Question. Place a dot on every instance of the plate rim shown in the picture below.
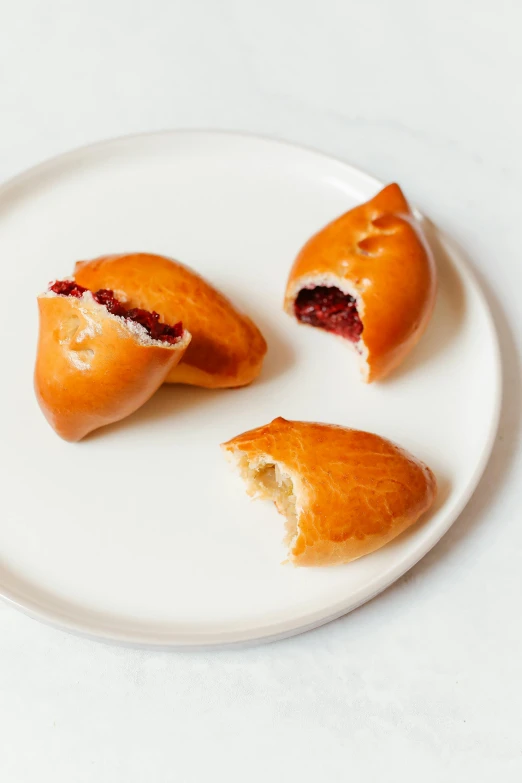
(172, 640)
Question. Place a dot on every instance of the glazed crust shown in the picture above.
(91, 369)
(227, 348)
(354, 491)
(376, 253)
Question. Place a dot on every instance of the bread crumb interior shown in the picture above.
(269, 480)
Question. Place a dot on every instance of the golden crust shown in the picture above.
(91, 368)
(375, 252)
(227, 348)
(354, 491)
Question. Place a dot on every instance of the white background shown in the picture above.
(425, 681)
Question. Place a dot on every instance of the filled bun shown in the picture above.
(344, 493)
(94, 367)
(369, 277)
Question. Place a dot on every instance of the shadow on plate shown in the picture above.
(170, 400)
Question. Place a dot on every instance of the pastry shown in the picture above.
(98, 361)
(227, 349)
(369, 277)
(344, 493)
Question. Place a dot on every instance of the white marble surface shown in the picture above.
(425, 681)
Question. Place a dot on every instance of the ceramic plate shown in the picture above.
(141, 533)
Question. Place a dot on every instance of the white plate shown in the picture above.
(141, 534)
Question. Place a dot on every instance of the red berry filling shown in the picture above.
(330, 309)
(149, 320)
(68, 288)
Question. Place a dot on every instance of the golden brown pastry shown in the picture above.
(227, 348)
(370, 277)
(97, 362)
(344, 493)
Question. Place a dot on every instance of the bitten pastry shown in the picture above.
(370, 277)
(98, 361)
(344, 493)
(227, 348)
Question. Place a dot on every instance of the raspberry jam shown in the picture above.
(330, 309)
(149, 320)
(68, 288)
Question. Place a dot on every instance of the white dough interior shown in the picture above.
(271, 481)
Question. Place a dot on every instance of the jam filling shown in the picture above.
(330, 309)
(149, 320)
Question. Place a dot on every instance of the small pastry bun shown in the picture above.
(94, 368)
(344, 493)
(376, 255)
(227, 348)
